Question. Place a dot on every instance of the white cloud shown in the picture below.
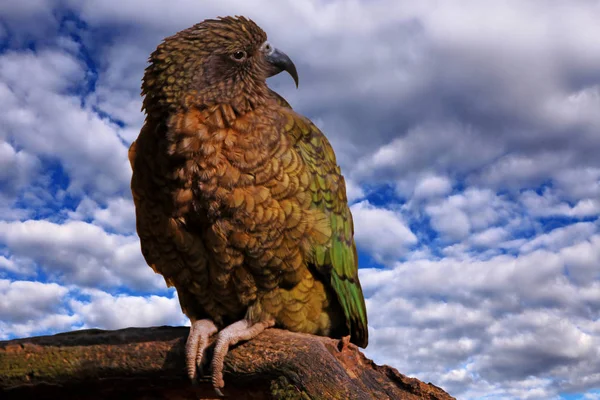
(27, 20)
(517, 170)
(25, 300)
(490, 237)
(119, 214)
(500, 320)
(561, 237)
(549, 204)
(381, 232)
(432, 186)
(28, 307)
(353, 191)
(46, 323)
(442, 145)
(17, 169)
(81, 253)
(44, 120)
(451, 222)
(32, 307)
(473, 211)
(582, 260)
(534, 342)
(105, 311)
(579, 183)
(7, 264)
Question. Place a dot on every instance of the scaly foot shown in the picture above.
(234, 333)
(197, 341)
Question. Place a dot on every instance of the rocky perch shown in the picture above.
(148, 363)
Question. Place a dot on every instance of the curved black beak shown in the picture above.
(279, 61)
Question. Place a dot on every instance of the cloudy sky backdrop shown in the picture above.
(469, 133)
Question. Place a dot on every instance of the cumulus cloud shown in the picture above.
(102, 310)
(561, 237)
(43, 119)
(491, 237)
(353, 191)
(576, 184)
(80, 253)
(27, 21)
(474, 210)
(23, 300)
(533, 343)
(29, 307)
(432, 186)
(17, 169)
(118, 215)
(501, 321)
(468, 134)
(8, 264)
(549, 204)
(381, 232)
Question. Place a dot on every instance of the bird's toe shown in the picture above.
(198, 340)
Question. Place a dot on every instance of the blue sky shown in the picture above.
(468, 132)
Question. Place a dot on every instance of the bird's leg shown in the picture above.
(197, 341)
(234, 333)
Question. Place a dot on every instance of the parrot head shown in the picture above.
(216, 61)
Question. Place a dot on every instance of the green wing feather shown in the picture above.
(336, 260)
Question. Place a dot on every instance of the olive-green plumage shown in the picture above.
(240, 203)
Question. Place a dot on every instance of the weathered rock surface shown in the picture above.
(148, 363)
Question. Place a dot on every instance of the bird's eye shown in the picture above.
(239, 55)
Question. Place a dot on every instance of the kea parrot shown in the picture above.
(240, 203)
